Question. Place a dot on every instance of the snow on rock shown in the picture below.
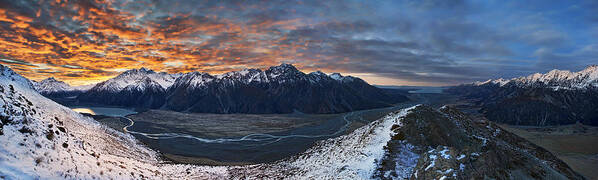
(405, 162)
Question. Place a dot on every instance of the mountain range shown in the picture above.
(278, 89)
(40, 139)
(555, 98)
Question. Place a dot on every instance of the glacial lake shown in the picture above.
(106, 111)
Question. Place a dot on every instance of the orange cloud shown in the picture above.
(87, 42)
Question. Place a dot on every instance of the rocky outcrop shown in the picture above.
(452, 145)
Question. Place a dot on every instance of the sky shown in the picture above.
(399, 42)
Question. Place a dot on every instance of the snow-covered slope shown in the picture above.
(555, 79)
(353, 156)
(9, 75)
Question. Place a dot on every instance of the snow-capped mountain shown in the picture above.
(40, 139)
(53, 88)
(555, 98)
(137, 87)
(555, 79)
(278, 89)
(52, 85)
(134, 77)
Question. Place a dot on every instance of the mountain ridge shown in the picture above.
(555, 79)
(278, 89)
(554, 98)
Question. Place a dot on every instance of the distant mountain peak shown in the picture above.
(319, 73)
(555, 79)
(284, 67)
(339, 77)
(53, 80)
(141, 70)
(135, 77)
(53, 87)
(50, 79)
(336, 76)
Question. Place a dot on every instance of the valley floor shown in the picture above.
(577, 145)
(189, 137)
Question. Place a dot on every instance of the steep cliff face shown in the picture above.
(555, 98)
